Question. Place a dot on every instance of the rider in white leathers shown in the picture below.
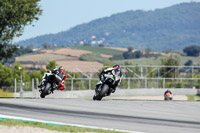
(115, 72)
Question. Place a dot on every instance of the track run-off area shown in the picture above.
(129, 115)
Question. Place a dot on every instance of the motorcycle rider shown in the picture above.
(115, 72)
(168, 91)
(60, 77)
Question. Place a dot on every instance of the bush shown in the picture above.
(131, 55)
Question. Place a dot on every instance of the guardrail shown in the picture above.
(134, 77)
(127, 83)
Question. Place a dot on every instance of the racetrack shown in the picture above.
(142, 116)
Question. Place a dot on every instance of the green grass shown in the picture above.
(193, 98)
(93, 57)
(5, 94)
(61, 128)
(156, 61)
(99, 50)
(142, 61)
(195, 60)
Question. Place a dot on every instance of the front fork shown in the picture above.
(98, 88)
(55, 86)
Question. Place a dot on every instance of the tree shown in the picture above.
(137, 54)
(42, 71)
(131, 55)
(35, 75)
(14, 16)
(130, 49)
(129, 70)
(22, 50)
(192, 50)
(168, 71)
(51, 65)
(127, 55)
(47, 46)
(189, 63)
(6, 51)
(6, 78)
(19, 71)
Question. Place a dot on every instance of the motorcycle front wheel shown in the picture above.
(46, 90)
(103, 92)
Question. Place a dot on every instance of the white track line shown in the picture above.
(60, 123)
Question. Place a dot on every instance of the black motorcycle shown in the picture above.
(49, 86)
(105, 88)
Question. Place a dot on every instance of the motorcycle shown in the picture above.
(168, 96)
(49, 85)
(105, 88)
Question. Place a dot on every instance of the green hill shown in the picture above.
(173, 27)
(99, 50)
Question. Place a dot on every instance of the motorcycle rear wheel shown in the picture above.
(103, 92)
(46, 90)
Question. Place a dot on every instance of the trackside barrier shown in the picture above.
(134, 77)
(119, 92)
(128, 86)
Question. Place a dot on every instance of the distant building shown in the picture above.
(81, 42)
(93, 37)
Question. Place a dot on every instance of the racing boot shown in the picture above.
(40, 85)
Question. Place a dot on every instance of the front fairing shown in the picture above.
(109, 81)
(52, 80)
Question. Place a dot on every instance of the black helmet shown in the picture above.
(116, 66)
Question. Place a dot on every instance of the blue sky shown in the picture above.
(61, 15)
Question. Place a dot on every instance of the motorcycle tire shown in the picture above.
(46, 90)
(94, 97)
(103, 92)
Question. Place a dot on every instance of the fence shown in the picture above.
(140, 71)
(133, 77)
(140, 77)
(127, 83)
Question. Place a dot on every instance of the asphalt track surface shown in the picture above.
(141, 116)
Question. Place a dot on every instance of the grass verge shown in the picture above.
(193, 98)
(5, 94)
(61, 128)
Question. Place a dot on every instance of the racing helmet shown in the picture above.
(116, 66)
(61, 68)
